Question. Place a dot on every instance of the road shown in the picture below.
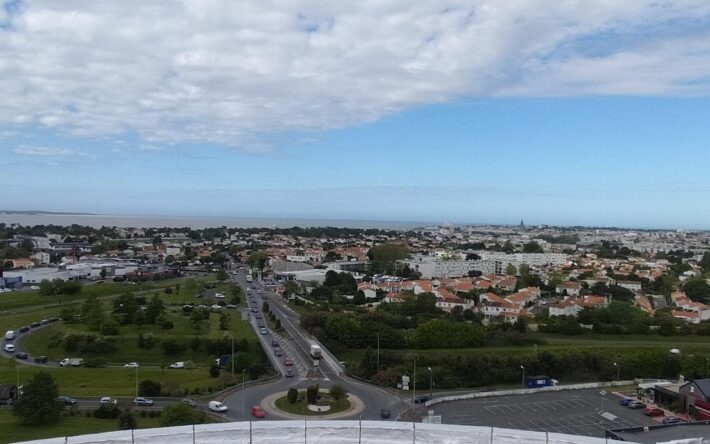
(295, 343)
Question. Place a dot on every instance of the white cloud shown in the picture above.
(42, 151)
(228, 72)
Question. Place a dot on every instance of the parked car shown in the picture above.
(142, 402)
(21, 355)
(278, 352)
(131, 365)
(217, 406)
(107, 400)
(288, 361)
(290, 373)
(384, 414)
(66, 400)
(635, 404)
(189, 402)
(672, 420)
(653, 411)
(625, 401)
(274, 343)
(41, 359)
(230, 307)
(258, 412)
(263, 331)
(178, 365)
(258, 315)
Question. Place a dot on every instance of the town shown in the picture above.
(401, 310)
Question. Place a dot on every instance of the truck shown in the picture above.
(316, 351)
(539, 381)
(71, 362)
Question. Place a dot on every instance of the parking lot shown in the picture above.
(577, 412)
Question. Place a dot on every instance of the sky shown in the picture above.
(588, 112)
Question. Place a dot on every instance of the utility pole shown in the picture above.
(618, 368)
(707, 364)
(232, 336)
(136, 382)
(523, 377)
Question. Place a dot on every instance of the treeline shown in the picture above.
(59, 287)
(487, 369)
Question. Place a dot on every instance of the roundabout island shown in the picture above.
(299, 404)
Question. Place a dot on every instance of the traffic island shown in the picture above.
(325, 407)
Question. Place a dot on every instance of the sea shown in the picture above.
(197, 222)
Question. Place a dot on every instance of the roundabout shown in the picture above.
(278, 404)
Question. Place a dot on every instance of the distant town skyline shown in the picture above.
(469, 112)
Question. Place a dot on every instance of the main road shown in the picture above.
(295, 344)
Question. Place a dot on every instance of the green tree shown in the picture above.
(154, 309)
(92, 312)
(532, 247)
(177, 414)
(697, 289)
(38, 405)
(257, 259)
(127, 420)
(221, 275)
(150, 388)
(510, 270)
(291, 288)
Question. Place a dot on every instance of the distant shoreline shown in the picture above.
(50, 213)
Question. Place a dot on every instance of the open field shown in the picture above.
(12, 430)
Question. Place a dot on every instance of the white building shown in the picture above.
(431, 267)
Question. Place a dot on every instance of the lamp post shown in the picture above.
(378, 351)
(707, 364)
(522, 367)
(414, 381)
(431, 383)
(231, 336)
(244, 394)
(136, 382)
(618, 369)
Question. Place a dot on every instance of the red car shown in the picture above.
(288, 361)
(654, 411)
(258, 412)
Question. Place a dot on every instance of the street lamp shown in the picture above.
(431, 383)
(707, 364)
(244, 375)
(136, 382)
(522, 367)
(414, 381)
(618, 369)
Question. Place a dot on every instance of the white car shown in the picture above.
(131, 365)
(34, 287)
(9, 348)
(217, 406)
(107, 400)
(178, 365)
(216, 307)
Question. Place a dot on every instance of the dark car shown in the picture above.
(258, 315)
(290, 373)
(672, 420)
(21, 355)
(41, 359)
(24, 329)
(274, 343)
(421, 399)
(384, 414)
(35, 324)
(625, 401)
(66, 400)
(189, 402)
(278, 352)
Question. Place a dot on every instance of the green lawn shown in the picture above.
(301, 408)
(12, 430)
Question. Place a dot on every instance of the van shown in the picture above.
(10, 335)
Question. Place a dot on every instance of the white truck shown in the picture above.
(71, 362)
(316, 352)
(9, 335)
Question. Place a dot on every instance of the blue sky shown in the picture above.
(600, 120)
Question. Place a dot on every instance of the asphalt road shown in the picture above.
(297, 346)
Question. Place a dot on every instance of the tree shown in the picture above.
(532, 247)
(292, 395)
(337, 392)
(221, 275)
(510, 270)
(331, 279)
(92, 312)
(257, 259)
(38, 405)
(214, 370)
(291, 288)
(154, 309)
(127, 420)
(312, 393)
(177, 414)
(149, 388)
(697, 289)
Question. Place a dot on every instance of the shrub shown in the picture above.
(95, 363)
(127, 420)
(337, 392)
(107, 411)
(292, 395)
(167, 324)
(149, 388)
(214, 371)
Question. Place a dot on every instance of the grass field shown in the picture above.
(12, 430)
(113, 381)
